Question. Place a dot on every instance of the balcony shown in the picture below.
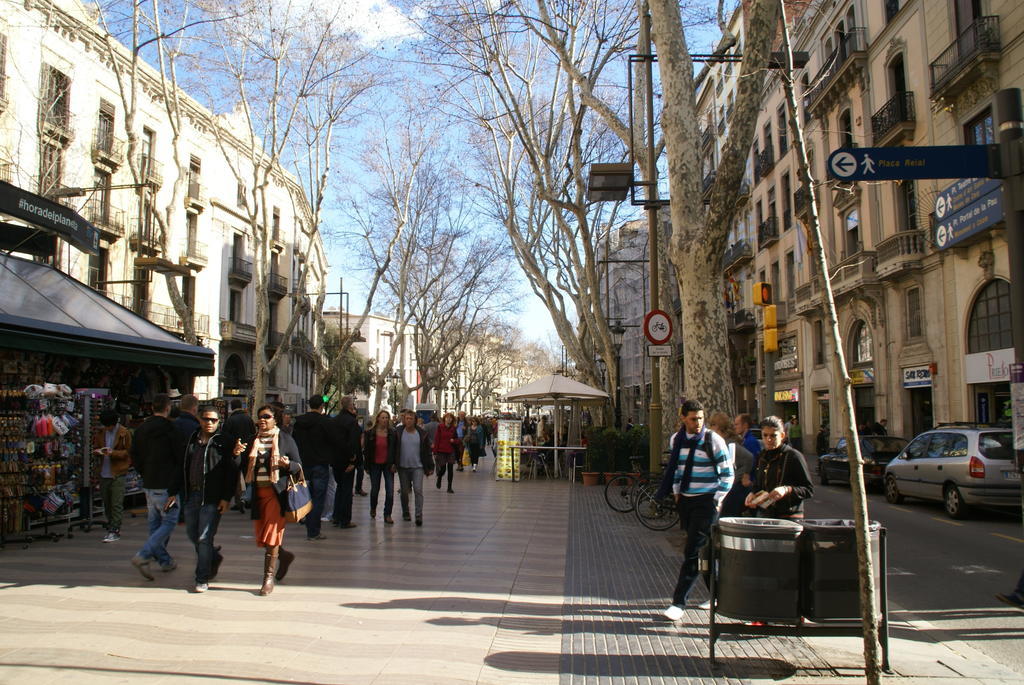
(721, 127)
(709, 182)
(767, 233)
(108, 220)
(737, 254)
(234, 332)
(195, 198)
(787, 219)
(743, 192)
(706, 136)
(973, 55)
(195, 254)
(277, 238)
(807, 298)
(277, 285)
(107, 150)
(274, 339)
(854, 273)
(150, 170)
(894, 122)
(742, 320)
(144, 239)
(840, 69)
(765, 162)
(900, 254)
(57, 125)
(801, 201)
(240, 272)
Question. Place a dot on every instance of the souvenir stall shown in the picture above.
(66, 353)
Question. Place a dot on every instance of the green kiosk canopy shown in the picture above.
(44, 310)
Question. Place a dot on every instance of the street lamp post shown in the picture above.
(618, 331)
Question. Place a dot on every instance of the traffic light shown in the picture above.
(762, 294)
(770, 317)
(771, 340)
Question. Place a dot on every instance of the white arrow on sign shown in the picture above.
(844, 165)
(941, 205)
(941, 236)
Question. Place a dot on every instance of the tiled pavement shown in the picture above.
(533, 582)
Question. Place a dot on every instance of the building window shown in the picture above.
(783, 137)
(787, 200)
(790, 275)
(906, 205)
(105, 127)
(980, 130)
(235, 306)
(276, 225)
(819, 343)
(51, 168)
(862, 353)
(989, 325)
(98, 269)
(913, 313)
(768, 146)
(846, 129)
(56, 98)
(3, 67)
(852, 224)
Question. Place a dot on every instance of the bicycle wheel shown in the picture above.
(654, 513)
(618, 493)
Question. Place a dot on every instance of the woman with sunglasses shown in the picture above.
(378, 457)
(273, 455)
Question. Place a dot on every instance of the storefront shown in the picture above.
(863, 381)
(988, 375)
(66, 353)
(917, 389)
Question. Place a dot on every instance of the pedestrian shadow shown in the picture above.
(640, 665)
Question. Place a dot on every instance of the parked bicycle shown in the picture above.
(635, 491)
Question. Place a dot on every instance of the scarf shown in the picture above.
(275, 456)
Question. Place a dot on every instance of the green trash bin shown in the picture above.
(758, 574)
(830, 588)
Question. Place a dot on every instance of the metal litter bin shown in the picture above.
(758, 575)
(830, 588)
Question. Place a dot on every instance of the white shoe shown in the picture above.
(705, 605)
(202, 587)
(112, 537)
(674, 613)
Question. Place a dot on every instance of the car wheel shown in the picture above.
(954, 503)
(892, 491)
(822, 474)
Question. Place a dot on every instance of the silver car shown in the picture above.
(960, 465)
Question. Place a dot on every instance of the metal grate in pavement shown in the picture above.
(619, 578)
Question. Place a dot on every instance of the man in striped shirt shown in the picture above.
(700, 475)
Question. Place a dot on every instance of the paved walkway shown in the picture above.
(532, 582)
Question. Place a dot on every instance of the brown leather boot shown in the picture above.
(285, 560)
(269, 559)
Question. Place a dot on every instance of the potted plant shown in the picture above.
(594, 458)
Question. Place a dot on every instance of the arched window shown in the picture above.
(862, 348)
(989, 325)
(846, 129)
(852, 226)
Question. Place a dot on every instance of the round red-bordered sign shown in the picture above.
(658, 327)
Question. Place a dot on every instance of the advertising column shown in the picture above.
(507, 457)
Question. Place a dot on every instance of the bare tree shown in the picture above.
(866, 564)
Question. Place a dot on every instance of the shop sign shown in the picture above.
(787, 357)
(862, 376)
(988, 367)
(917, 377)
(790, 395)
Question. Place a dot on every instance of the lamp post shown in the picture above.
(618, 331)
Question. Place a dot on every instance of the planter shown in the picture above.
(591, 477)
(608, 475)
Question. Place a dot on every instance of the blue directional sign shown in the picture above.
(976, 217)
(898, 163)
(964, 192)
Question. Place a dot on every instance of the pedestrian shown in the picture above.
(880, 427)
(742, 425)
(378, 455)
(272, 456)
(742, 462)
(796, 434)
(156, 451)
(314, 436)
(461, 427)
(1014, 598)
(187, 421)
(346, 459)
(113, 442)
(821, 442)
(411, 452)
(475, 439)
(781, 479)
(444, 449)
(286, 417)
(699, 481)
(238, 426)
(209, 477)
(360, 464)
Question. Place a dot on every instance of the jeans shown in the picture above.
(411, 478)
(696, 516)
(161, 525)
(376, 472)
(318, 477)
(360, 471)
(343, 496)
(201, 521)
(112, 493)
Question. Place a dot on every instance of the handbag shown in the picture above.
(296, 501)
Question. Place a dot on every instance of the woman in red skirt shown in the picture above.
(272, 456)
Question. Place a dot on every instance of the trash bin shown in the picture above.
(759, 569)
(830, 588)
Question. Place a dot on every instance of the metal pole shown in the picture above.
(656, 433)
(1010, 124)
(769, 384)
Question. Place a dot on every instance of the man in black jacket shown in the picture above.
(157, 450)
(315, 436)
(209, 475)
(346, 457)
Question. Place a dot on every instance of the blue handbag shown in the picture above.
(296, 501)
